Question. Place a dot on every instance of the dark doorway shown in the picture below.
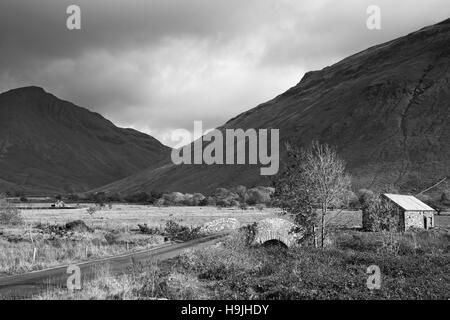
(425, 223)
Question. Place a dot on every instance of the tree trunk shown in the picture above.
(322, 226)
(314, 236)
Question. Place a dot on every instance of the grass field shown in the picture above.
(412, 266)
(121, 215)
(41, 241)
(114, 231)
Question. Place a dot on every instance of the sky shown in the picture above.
(160, 65)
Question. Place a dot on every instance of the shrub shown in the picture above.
(379, 214)
(143, 228)
(241, 191)
(188, 199)
(225, 198)
(176, 231)
(204, 202)
(91, 211)
(173, 198)
(259, 195)
(198, 199)
(365, 196)
(210, 201)
(353, 201)
(9, 214)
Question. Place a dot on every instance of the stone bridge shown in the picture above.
(276, 229)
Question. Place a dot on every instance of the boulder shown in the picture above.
(221, 225)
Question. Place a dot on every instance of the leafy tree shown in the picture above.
(313, 181)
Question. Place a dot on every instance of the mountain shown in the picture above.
(48, 145)
(386, 109)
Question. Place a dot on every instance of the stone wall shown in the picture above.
(278, 229)
(415, 219)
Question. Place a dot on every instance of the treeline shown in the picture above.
(239, 196)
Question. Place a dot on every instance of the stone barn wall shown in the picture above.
(415, 219)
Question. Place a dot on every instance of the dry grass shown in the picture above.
(16, 258)
(232, 270)
(122, 215)
(113, 233)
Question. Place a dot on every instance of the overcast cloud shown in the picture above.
(158, 65)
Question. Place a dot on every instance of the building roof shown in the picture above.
(408, 203)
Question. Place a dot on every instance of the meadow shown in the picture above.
(412, 266)
(42, 240)
(415, 265)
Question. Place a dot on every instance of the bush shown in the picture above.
(91, 211)
(225, 198)
(145, 229)
(379, 214)
(241, 191)
(353, 201)
(210, 201)
(198, 199)
(259, 195)
(365, 196)
(173, 198)
(188, 199)
(176, 231)
(9, 214)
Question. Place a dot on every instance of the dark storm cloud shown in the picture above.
(158, 65)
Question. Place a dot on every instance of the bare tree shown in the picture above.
(314, 181)
(9, 214)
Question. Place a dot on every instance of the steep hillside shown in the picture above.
(386, 109)
(49, 145)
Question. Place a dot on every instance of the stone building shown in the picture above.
(411, 212)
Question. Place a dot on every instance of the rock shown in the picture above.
(220, 225)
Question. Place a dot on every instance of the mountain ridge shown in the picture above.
(384, 108)
(50, 145)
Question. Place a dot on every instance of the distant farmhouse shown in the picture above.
(59, 204)
(411, 212)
